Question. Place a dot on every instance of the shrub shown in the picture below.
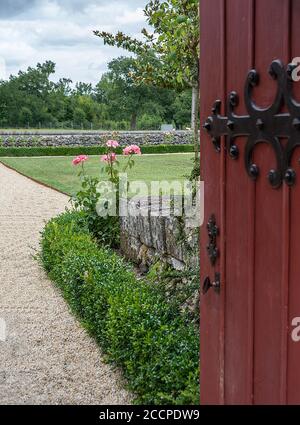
(90, 150)
(140, 331)
(149, 122)
(105, 227)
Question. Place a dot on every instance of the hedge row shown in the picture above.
(139, 330)
(91, 150)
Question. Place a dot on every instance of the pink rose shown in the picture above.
(112, 144)
(79, 159)
(131, 150)
(110, 158)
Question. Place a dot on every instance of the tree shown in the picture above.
(182, 109)
(35, 81)
(123, 96)
(168, 57)
(25, 116)
(83, 89)
(79, 116)
(32, 98)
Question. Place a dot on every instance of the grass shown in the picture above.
(59, 173)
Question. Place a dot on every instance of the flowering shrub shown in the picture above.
(131, 150)
(112, 167)
(106, 229)
(80, 159)
(112, 144)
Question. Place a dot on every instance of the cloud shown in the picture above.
(10, 8)
(131, 17)
(3, 74)
(62, 31)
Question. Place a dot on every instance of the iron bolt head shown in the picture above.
(230, 125)
(296, 123)
(234, 99)
(234, 151)
(273, 177)
(260, 124)
(253, 77)
(290, 176)
(254, 171)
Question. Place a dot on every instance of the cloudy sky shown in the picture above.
(33, 31)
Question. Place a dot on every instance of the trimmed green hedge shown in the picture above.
(157, 347)
(92, 150)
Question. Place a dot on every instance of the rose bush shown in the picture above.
(104, 228)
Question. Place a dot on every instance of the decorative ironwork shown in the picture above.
(262, 125)
(213, 232)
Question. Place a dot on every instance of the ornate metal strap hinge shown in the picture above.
(213, 232)
(267, 125)
(213, 254)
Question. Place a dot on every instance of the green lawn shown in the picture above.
(58, 172)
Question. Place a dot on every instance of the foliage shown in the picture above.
(168, 56)
(124, 98)
(91, 150)
(32, 99)
(178, 286)
(182, 112)
(149, 122)
(155, 345)
(104, 227)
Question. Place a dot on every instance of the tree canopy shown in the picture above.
(32, 99)
(168, 56)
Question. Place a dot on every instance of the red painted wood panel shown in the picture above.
(247, 355)
(211, 81)
(239, 219)
(293, 368)
(268, 301)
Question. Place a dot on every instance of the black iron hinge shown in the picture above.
(262, 125)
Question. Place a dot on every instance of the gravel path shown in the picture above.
(47, 357)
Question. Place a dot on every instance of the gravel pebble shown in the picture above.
(46, 357)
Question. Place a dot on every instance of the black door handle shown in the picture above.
(207, 284)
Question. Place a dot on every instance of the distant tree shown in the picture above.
(31, 97)
(35, 81)
(79, 116)
(119, 90)
(182, 109)
(168, 56)
(63, 86)
(83, 89)
(25, 116)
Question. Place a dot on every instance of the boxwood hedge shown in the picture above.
(90, 150)
(155, 345)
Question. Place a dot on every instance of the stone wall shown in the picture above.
(147, 238)
(73, 139)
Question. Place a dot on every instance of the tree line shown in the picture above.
(32, 99)
(167, 54)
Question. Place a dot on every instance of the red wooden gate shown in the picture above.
(247, 353)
